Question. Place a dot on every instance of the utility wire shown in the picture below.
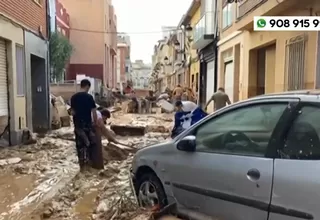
(111, 32)
(142, 32)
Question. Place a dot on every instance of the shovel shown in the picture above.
(125, 145)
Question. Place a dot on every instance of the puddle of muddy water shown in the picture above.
(13, 188)
(86, 205)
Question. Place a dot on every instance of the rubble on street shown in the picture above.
(42, 180)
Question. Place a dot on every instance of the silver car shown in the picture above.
(257, 159)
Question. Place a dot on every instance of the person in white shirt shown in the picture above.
(186, 106)
(187, 113)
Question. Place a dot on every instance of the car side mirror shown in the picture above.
(187, 143)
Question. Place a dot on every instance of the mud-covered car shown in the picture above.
(254, 160)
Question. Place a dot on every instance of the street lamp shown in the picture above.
(188, 31)
(177, 45)
(166, 61)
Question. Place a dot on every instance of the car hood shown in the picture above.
(154, 147)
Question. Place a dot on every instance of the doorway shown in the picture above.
(261, 71)
(202, 81)
(38, 94)
(229, 79)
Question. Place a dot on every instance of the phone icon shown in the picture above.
(261, 23)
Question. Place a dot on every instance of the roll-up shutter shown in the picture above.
(3, 80)
(229, 80)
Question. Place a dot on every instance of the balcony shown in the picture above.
(204, 30)
(247, 6)
(247, 9)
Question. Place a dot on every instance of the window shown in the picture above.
(127, 69)
(244, 131)
(296, 60)
(20, 68)
(227, 17)
(302, 141)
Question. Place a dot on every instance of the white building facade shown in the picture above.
(140, 74)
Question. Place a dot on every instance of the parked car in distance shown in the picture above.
(257, 159)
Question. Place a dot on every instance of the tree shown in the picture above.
(60, 53)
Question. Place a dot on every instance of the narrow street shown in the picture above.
(42, 181)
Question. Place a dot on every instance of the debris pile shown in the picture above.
(58, 191)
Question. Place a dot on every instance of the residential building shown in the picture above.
(163, 65)
(94, 38)
(123, 60)
(191, 18)
(179, 57)
(124, 38)
(24, 102)
(62, 20)
(204, 41)
(253, 63)
(167, 31)
(140, 74)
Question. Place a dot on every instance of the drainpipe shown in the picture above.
(215, 86)
(215, 45)
(48, 22)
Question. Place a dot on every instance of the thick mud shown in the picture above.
(42, 181)
(100, 195)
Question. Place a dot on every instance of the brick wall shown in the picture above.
(62, 18)
(28, 12)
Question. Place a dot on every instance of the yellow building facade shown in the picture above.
(191, 18)
(255, 63)
(11, 39)
(195, 63)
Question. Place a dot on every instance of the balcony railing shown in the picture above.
(247, 6)
(205, 26)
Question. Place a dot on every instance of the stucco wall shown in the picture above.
(13, 35)
(38, 47)
(275, 44)
(88, 41)
(195, 66)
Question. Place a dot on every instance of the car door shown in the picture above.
(296, 194)
(228, 178)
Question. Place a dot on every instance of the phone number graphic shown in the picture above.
(287, 23)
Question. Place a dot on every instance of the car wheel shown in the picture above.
(150, 192)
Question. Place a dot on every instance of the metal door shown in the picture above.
(210, 84)
(229, 80)
(3, 80)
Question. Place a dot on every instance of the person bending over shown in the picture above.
(187, 114)
(103, 115)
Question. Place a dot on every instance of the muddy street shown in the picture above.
(42, 181)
